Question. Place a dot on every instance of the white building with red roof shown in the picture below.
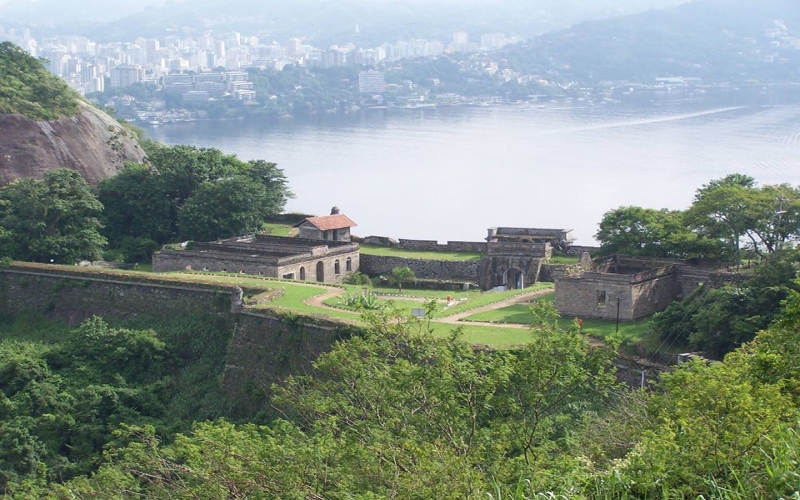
(333, 227)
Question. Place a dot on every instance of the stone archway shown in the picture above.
(514, 279)
(320, 271)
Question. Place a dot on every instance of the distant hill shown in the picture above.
(79, 11)
(44, 125)
(714, 40)
(325, 22)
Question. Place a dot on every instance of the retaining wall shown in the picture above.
(264, 348)
(375, 265)
(74, 296)
(450, 246)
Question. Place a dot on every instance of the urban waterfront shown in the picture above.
(449, 173)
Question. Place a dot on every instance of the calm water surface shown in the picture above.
(448, 174)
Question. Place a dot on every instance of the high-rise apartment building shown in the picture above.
(371, 82)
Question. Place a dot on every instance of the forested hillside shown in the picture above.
(716, 41)
(103, 412)
(26, 88)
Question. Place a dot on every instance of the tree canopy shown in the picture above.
(725, 214)
(55, 219)
(193, 193)
(27, 88)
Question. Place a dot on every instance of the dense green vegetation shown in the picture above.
(55, 219)
(717, 320)
(188, 193)
(392, 412)
(182, 193)
(65, 392)
(724, 213)
(27, 88)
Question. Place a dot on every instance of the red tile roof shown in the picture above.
(328, 222)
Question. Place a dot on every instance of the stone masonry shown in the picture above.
(271, 256)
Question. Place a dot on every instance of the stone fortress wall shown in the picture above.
(262, 348)
(627, 287)
(271, 256)
(510, 257)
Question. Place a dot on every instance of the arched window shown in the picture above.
(303, 273)
(348, 265)
(336, 269)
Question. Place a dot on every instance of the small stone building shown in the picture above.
(514, 255)
(271, 256)
(627, 287)
(333, 227)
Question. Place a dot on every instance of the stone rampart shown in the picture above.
(578, 250)
(522, 248)
(383, 241)
(62, 293)
(264, 347)
(428, 245)
(375, 265)
(267, 347)
(418, 245)
(465, 246)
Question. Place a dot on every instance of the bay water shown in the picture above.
(450, 173)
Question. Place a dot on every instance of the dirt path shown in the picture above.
(330, 292)
(517, 299)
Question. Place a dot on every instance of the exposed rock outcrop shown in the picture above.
(91, 142)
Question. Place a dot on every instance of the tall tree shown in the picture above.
(224, 196)
(721, 210)
(225, 208)
(656, 233)
(52, 220)
(136, 205)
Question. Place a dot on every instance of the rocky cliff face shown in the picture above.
(90, 142)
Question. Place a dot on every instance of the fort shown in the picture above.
(628, 288)
(615, 287)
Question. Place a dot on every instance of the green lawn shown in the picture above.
(516, 313)
(486, 298)
(466, 300)
(413, 254)
(425, 294)
(296, 294)
(563, 259)
(629, 331)
(294, 298)
(486, 335)
(276, 229)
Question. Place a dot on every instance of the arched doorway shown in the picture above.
(303, 273)
(514, 279)
(320, 271)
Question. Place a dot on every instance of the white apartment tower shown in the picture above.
(371, 82)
